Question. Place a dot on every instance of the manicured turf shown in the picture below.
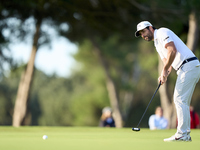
(88, 138)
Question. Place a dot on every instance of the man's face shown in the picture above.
(159, 112)
(146, 34)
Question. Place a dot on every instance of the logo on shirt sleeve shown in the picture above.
(166, 38)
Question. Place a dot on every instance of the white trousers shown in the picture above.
(188, 76)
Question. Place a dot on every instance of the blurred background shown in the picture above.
(63, 61)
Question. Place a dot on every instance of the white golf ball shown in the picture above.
(45, 137)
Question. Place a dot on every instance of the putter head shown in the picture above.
(136, 129)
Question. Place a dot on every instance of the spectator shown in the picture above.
(106, 118)
(194, 119)
(157, 121)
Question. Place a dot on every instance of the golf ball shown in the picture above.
(45, 137)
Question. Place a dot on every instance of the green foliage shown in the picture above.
(132, 63)
(148, 59)
(57, 101)
(8, 90)
(52, 95)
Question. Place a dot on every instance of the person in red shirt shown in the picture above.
(194, 119)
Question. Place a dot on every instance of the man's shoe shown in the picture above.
(181, 138)
(189, 138)
(172, 138)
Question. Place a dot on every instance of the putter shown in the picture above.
(138, 129)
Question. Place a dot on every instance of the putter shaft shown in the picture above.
(149, 104)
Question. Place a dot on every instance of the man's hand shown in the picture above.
(163, 77)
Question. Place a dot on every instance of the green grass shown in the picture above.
(88, 138)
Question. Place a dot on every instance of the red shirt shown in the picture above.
(194, 119)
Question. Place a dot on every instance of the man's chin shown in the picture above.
(148, 40)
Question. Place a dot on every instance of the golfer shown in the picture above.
(174, 53)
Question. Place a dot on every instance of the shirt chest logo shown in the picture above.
(156, 42)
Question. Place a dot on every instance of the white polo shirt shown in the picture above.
(163, 36)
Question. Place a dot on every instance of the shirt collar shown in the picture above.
(155, 34)
(155, 38)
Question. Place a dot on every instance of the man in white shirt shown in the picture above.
(157, 121)
(174, 53)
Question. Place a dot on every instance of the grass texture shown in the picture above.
(91, 138)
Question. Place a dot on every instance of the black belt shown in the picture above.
(186, 61)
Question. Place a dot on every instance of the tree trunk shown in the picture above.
(25, 83)
(114, 102)
(110, 87)
(193, 33)
(169, 111)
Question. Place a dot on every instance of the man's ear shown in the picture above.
(151, 28)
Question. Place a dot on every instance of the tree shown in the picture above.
(4, 40)
(109, 26)
(40, 11)
(99, 22)
(20, 108)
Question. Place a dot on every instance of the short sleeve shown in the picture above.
(165, 37)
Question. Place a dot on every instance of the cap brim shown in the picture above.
(137, 34)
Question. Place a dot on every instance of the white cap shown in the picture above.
(106, 109)
(142, 25)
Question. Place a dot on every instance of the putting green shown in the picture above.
(91, 138)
